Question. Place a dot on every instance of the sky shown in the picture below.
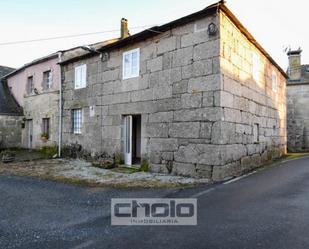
(276, 24)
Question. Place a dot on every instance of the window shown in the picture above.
(255, 66)
(80, 76)
(30, 87)
(45, 127)
(130, 64)
(77, 121)
(274, 82)
(47, 81)
(256, 133)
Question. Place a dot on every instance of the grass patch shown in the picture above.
(125, 170)
(49, 151)
(289, 156)
(144, 166)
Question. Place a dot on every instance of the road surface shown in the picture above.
(268, 209)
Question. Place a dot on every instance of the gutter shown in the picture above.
(60, 110)
(37, 61)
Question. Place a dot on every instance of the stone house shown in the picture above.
(297, 100)
(35, 86)
(198, 96)
(10, 115)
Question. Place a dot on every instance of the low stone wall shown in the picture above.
(10, 131)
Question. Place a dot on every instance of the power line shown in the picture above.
(68, 36)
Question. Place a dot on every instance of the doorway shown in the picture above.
(29, 129)
(132, 139)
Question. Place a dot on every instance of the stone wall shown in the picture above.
(10, 131)
(175, 96)
(245, 102)
(197, 104)
(37, 107)
(298, 117)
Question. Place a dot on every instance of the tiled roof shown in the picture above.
(8, 105)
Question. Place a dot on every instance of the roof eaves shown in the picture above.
(34, 62)
(149, 32)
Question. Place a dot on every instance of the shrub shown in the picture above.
(144, 165)
(7, 156)
(49, 151)
(118, 159)
(45, 135)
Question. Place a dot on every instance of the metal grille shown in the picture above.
(77, 121)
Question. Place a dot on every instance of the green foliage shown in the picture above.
(103, 164)
(7, 156)
(125, 170)
(45, 135)
(144, 166)
(118, 159)
(49, 151)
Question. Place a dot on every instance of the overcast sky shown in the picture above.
(276, 24)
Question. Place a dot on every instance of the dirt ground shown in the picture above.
(82, 172)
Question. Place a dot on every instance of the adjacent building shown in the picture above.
(10, 115)
(35, 86)
(197, 97)
(36, 89)
(297, 100)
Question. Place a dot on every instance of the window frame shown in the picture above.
(135, 74)
(46, 126)
(83, 77)
(256, 137)
(49, 85)
(256, 66)
(274, 81)
(30, 90)
(77, 121)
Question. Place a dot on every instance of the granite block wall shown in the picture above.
(198, 102)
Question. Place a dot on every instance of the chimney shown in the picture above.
(124, 31)
(294, 70)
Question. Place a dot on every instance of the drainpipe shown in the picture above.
(60, 109)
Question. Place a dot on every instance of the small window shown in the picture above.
(274, 82)
(47, 81)
(80, 76)
(256, 133)
(45, 127)
(77, 121)
(130, 64)
(30, 87)
(255, 66)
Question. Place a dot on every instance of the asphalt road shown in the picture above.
(269, 209)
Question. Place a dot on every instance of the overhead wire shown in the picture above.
(68, 36)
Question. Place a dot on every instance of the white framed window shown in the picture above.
(274, 81)
(80, 77)
(77, 121)
(130, 64)
(255, 66)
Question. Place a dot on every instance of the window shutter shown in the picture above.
(50, 79)
(77, 77)
(83, 75)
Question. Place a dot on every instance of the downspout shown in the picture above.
(60, 108)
